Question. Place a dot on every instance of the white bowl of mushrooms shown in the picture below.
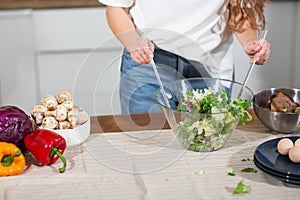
(60, 115)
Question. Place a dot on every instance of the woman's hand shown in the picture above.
(142, 51)
(258, 51)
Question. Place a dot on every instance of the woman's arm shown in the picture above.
(123, 27)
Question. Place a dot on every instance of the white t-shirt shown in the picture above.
(195, 29)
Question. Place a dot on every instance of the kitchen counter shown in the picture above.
(148, 164)
(45, 4)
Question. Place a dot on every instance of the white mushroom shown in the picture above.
(49, 113)
(37, 112)
(72, 118)
(64, 125)
(68, 104)
(77, 116)
(49, 122)
(81, 115)
(39, 119)
(61, 113)
(64, 95)
(49, 101)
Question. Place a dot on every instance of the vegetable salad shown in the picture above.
(211, 118)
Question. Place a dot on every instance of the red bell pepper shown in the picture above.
(46, 146)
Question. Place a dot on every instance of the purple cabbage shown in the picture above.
(15, 124)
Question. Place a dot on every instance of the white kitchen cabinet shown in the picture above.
(70, 29)
(77, 52)
(45, 51)
(17, 77)
(92, 79)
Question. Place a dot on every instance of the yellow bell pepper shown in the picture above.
(12, 160)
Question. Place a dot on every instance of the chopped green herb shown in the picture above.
(249, 169)
(245, 159)
(241, 188)
(231, 173)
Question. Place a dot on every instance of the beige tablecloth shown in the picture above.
(149, 165)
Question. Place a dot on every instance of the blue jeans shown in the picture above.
(138, 83)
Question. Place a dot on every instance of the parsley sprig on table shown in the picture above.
(231, 173)
(241, 188)
(249, 170)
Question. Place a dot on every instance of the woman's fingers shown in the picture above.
(258, 52)
(263, 54)
(252, 47)
(143, 55)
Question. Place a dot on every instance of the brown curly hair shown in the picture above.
(250, 12)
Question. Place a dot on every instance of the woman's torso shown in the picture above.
(194, 29)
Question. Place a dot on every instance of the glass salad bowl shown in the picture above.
(203, 112)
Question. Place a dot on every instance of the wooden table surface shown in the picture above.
(136, 122)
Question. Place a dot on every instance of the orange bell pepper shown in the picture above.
(12, 160)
